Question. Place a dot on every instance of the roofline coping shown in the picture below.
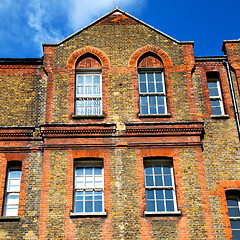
(22, 61)
(210, 58)
(229, 41)
(111, 12)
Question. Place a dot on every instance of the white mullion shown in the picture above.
(148, 104)
(220, 97)
(155, 85)
(164, 199)
(173, 188)
(154, 191)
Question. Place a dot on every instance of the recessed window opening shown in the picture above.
(151, 85)
(88, 86)
(233, 203)
(215, 93)
(12, 189)
(159, 184)
(89, 187)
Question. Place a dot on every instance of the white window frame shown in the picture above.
(91, 164)
(217, 98)
(9, 192)
(88, 97)
(156, 70)
(155, 163)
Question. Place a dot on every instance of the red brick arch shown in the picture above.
(71, 62)
(149, 48)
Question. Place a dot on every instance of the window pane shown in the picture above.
(166, 170)
(142, 77)
(151, 206)
(233, 212)
(88, 80)
(12, 199)
(79, 172)
(159, 86)
(160, 100)
(148, 170)
(88, 171)
(169, 206)
(236, 234)
(158, 181)
(96, 80)
(88, 196)
(14, 185)
(167, 180)
(161, 110)
(78, 196)
(11, 210)
(143, 87)
(14, 174)
(149, 194)
(157, 170)
(159, 194)
(149, 181)
(160, 206)
(98, 196)
(98, 206)
(80, 81)
(212, 84)
(235, 224)
(144, 110)
(153, 110)
(97, 171)
(232, 203)
(168, 194)
(152, 100)
(151, 87)
(88, 206)
(213, 92)
(158, 77)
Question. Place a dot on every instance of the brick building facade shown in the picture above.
(120, 132)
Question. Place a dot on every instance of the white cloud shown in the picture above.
(40, 22)
(82, 13)
(28, 24)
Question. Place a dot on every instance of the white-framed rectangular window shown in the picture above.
(89, 187)
(233, 204)
(152, 92)
(88, 93)
(215, 94)
(12, 191)
(160, 187)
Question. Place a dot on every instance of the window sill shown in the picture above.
(154, 115)
(87, 116)
(90, 214)
(177, 213)
(9, 218)
(220, 116)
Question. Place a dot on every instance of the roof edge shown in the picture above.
(21, 61)
(210, 58)
(117, 9)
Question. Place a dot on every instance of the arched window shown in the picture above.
(233, 203)
(152, 92)
(88, 96)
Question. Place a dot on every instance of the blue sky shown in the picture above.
(26, 24)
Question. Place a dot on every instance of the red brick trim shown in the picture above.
(71, 62)
(167, 62)
(223, 186)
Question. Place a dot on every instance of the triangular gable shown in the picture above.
(117, 16)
